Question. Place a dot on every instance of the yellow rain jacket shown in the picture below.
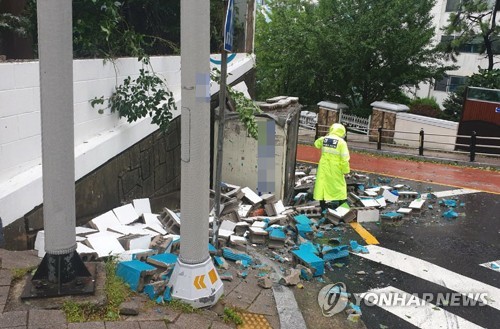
(333, 165)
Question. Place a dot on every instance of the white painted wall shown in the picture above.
(467, 63)
(435, 130)
(98, 137)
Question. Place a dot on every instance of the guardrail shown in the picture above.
(476, 144)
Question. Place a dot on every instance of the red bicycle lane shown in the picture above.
(455, 176)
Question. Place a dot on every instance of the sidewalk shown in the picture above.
(357, 142)
(258, 305)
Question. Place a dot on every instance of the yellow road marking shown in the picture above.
(367, 236)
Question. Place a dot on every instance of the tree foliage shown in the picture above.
(454, 103)
(475, 19)
(112, 28)
(355, 51)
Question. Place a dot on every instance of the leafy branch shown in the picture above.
(147, 95)
(245, 107)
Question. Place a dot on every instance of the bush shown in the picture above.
(425, 106)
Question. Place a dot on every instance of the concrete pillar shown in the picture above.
(328, 114)
(195, 279)
(384, 115)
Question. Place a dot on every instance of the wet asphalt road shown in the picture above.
(459, 245)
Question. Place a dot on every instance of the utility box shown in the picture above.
(266, 165)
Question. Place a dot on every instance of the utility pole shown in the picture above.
(61, 271)
(195, 280)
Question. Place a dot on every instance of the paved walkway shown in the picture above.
(446, 174)
(258, 305)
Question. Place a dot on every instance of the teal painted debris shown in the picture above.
(211, 249)
(219, 261)
(309, 259)
(357, 248)
(304, 230)
(450, 214)
(448, 203)
(495, 266)
(309, 247)
(134, 273)
(332, 253)
(167, 295)
(276, 233)
(392, 215)
(163, 260)
(230, 254)
(302, 219)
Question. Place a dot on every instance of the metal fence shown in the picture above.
(473, 145)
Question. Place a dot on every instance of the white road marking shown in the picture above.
(433, 273)
(444, 194)
(421, 314)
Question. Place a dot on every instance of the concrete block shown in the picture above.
(312, 211)
(126, 214)
(404, 211)
(417, 204)
(391, 215)
(277, 238)
(268, 198)
(232, 216)
(292, 279)
(389, 196)
(258, 235)
(142, 206)
(305, 231)
(237, 241)
(161, 244)
(136, 254)
(269, 210)
(310, 260)
(241, 228)
(302, 219)
(170, 221)
(166, 260)
(279, 207)
(369, 202)
(408, 195)
(221, 262)
(104, 221)
(259, 224)
(135, 241)
(381, 201)
(251, 196)
(366, 215)
(244, 210)
(135, 273)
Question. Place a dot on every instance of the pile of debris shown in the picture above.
(301, 241)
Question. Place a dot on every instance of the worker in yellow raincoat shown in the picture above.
(333, 165)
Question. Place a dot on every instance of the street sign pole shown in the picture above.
(228, 46)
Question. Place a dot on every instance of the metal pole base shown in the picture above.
(196, 284)
(60, 275)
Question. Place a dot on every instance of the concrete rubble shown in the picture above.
(298, 241)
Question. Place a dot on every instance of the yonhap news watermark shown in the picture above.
(396, 298)
(334, 298)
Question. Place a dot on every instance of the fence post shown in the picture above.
(316, 134)
(379, 142)
(473, 146)
(345, 137)
(421, 147)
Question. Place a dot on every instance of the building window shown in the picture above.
(452, 5)
(475, 46)
(450, 83)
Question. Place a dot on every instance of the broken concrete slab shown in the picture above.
(126, 214)
(104, 245)
(86, 254)
(152, 221)
(309, 259)
(104, 221)
(389, 196)
(136, 254)
(165, 260)
(142, 206)
(233, 255)
(161, 243)
(367, 215)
